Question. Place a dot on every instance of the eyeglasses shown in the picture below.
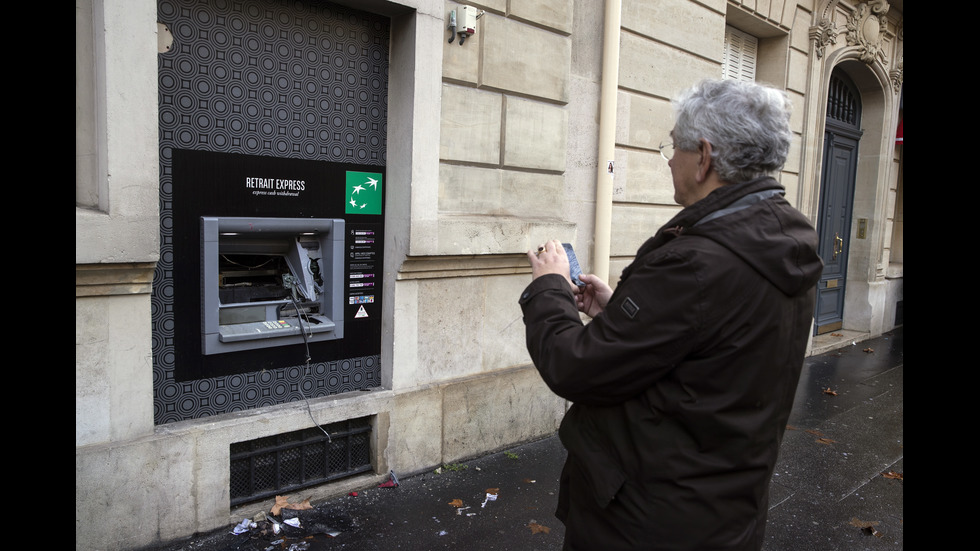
(667, 150)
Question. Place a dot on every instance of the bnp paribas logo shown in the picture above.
(364, 193)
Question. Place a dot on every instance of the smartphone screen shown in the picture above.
(574, 269)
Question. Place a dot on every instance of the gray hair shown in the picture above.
(746, 123)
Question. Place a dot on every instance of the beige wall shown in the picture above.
(504, 133)
(116, 167)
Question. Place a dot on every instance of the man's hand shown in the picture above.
(594, 297)
(550, 258)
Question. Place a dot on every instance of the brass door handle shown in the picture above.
(838, 245)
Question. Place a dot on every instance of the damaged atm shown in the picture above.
(278, 263)
(269, 282)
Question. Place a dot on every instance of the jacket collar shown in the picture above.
(715, 202)
(720, 199)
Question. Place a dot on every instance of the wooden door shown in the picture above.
(836, 200)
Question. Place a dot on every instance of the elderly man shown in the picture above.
(683, 380)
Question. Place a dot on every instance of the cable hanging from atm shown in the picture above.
(306, 344)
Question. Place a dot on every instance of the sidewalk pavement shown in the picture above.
(837, 484)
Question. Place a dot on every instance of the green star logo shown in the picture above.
(363, 193)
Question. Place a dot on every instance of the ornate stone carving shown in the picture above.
(897, 76)
(866, 29)
(823, 34)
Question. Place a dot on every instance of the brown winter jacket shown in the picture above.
(683, 385)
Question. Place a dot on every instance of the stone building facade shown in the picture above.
(544, 123)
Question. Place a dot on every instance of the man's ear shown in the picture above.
(704, 164)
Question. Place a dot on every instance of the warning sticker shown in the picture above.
(361, 312)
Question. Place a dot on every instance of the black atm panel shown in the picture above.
(277, 262)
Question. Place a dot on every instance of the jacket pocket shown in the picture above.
(595, 459)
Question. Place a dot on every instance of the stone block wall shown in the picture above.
(504, 129)
(461, 371)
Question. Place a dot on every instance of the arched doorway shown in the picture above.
(840, 160)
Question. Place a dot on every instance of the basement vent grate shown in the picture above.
(281, 463)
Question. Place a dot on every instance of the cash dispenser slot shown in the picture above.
(270, 282)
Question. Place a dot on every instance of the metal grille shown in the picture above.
(843, 103)
(273, 465)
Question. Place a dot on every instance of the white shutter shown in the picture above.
(741, 50)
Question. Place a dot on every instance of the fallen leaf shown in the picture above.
(791, 427)
(893, 475)
(493, 491)
(814, 432)
(826, 441)
(305, 505)
(836, 334)
(869, 350)
(868, 527)
(831, 392)
(456, 503)
(862, 523)
(538, 528)
(282, 502)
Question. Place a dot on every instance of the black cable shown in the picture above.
(306, 343)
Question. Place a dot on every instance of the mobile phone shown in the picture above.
(573, 267)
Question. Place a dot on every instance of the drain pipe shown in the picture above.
(607, 137)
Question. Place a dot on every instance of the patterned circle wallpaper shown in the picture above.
(305, 80)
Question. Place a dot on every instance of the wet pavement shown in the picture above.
(830, 489)
(837, 485)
